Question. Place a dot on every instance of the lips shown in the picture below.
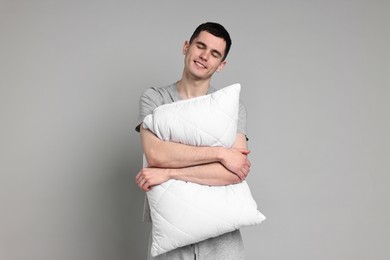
(199, 64)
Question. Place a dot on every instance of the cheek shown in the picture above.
(189, 55)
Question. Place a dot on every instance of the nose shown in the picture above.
(204, 55)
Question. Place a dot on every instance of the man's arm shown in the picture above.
(163, 154)
(204, 171)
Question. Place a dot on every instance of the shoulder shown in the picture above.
(159, 95)
(152, 98)
(159, 91)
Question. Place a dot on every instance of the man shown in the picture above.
(205, 53)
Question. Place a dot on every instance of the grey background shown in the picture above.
(315, 77)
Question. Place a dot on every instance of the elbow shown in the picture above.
(152, 148)
(154, 159)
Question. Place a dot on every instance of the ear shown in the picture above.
(186, 45)
(221, 66)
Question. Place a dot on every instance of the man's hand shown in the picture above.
(236, 161)
(149, 177)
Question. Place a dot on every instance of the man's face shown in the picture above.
(204, 55)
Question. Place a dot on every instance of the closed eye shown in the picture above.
(216, 54)
(200, 45)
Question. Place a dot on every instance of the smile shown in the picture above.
(200, 64)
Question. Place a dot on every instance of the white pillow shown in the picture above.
(184, 213)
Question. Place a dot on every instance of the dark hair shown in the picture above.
(215, 29)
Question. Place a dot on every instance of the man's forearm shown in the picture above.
(214, 174)
(165, 154)
(175, 155)
(168, 160)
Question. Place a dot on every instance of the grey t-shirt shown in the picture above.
(154, 97)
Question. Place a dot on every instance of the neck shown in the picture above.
(190, 88)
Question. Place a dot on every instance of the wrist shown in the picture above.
(170, 173)
(220, 154)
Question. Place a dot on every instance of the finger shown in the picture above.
(145, 186)
(245, 172)
(137, 178)
(245, 151)
(141, 182)
(242, 150)
(241, 175)
(246, 169)
(248, 163)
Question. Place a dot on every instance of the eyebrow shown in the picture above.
(213, 50)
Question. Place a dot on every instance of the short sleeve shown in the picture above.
(148, 101)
